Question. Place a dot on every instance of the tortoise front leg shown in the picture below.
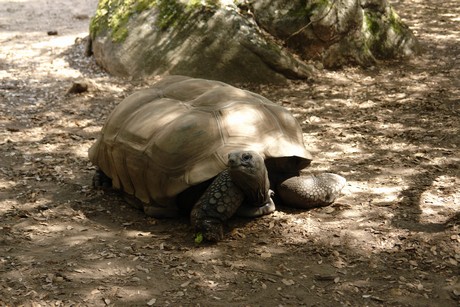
(311, 191)
(219, 202)
(253, 211)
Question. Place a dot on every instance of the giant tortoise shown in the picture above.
(208, 147)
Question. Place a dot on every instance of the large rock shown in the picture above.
(261, 41)
(338, 33)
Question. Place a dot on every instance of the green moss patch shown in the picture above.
(114, 15)
(314, 7)
(371, 22)
(396, 23)
(382, 31)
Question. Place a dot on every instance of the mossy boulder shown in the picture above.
(338, 33)
(261, 41)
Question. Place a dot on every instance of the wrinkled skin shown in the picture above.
(247, 170)
(246, 179)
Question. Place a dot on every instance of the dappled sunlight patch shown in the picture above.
(392, 238)
(81, 150)
(303, 227)
(349, 148)
(7, 205)
(353, 231)
(353, 214)
(399, 147)
(44, 66)
(76, 240)
(398, 174)
(387, 194)
(204, 253)
(28, 135)
(100, 267)
(7, 184)
(333, 155)
(446, 158)
(121, 294)
(441, 200)
(93, 129)
(38, 219)
(356, 186)
(42, 228)
(137, 233)
(45, 148)
(61, 41)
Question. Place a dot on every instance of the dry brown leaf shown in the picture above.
(287, 282)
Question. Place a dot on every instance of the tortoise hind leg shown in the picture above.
(156, 210)
(101, 180)
(311, 191)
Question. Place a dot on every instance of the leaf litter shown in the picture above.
(392, 130)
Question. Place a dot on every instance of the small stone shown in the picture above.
(78, 87)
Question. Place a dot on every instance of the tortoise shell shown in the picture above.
(160, 141)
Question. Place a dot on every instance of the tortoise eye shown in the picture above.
(246, 156)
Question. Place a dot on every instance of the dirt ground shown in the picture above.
(393, 239)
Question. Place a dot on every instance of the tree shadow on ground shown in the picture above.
(391, 132)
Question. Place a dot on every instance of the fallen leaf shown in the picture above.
(453, 261)
(141, 268)
(287, 282)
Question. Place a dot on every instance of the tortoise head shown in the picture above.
(245, 161)
(248, 172)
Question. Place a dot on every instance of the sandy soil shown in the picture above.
(393, 239)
